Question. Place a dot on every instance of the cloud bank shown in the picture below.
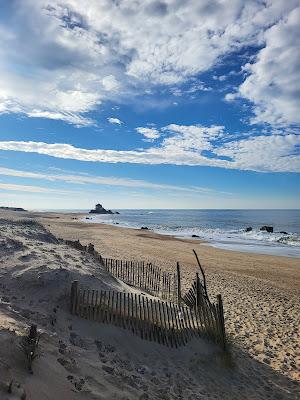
(81, 53)
(192, 145)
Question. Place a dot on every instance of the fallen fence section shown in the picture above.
(155, 320)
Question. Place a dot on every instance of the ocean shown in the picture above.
(220, 228)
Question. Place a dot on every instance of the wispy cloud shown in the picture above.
(102, 180)
(29, 188)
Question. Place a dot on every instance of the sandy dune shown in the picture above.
(87, 360)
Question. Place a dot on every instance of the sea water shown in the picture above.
(220, 228)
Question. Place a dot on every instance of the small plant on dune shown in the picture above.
(29, 346)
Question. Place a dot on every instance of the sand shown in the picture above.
(87, 360)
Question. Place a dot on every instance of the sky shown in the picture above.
(150, 103)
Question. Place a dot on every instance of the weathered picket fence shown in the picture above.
(167, 323)
(196, 298)
(145, 276)
(172, 321)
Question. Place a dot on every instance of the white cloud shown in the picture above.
(191, 137)
(149, 133)
(110, 83)
(189, 145)
(273, 83)
(115, 121)
(276, 153)
(81, 53)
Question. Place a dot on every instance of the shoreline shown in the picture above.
(145, 242)
(280, 243)
(238, 245)
(78, 218)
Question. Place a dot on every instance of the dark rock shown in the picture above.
(100, 210)
(267, 228)
(117, 212)
(283, 232)
(195, 236)
(248, 229)
(145, 228)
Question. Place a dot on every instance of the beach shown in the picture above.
(260, 295)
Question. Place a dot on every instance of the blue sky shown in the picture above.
(149, 104)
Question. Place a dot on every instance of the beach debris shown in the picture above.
(249, 229)
(267, 228)
(29, 346)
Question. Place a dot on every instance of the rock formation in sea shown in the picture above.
(99, 209)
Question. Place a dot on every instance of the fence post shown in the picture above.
(221, 321)
(74, 294)
(197, 291)
(178, 284)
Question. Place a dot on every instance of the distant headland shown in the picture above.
(99, 209)
(12, 208)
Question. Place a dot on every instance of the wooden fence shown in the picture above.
(197, 298)
(152, 319)
(171, 321)
(145, 276)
